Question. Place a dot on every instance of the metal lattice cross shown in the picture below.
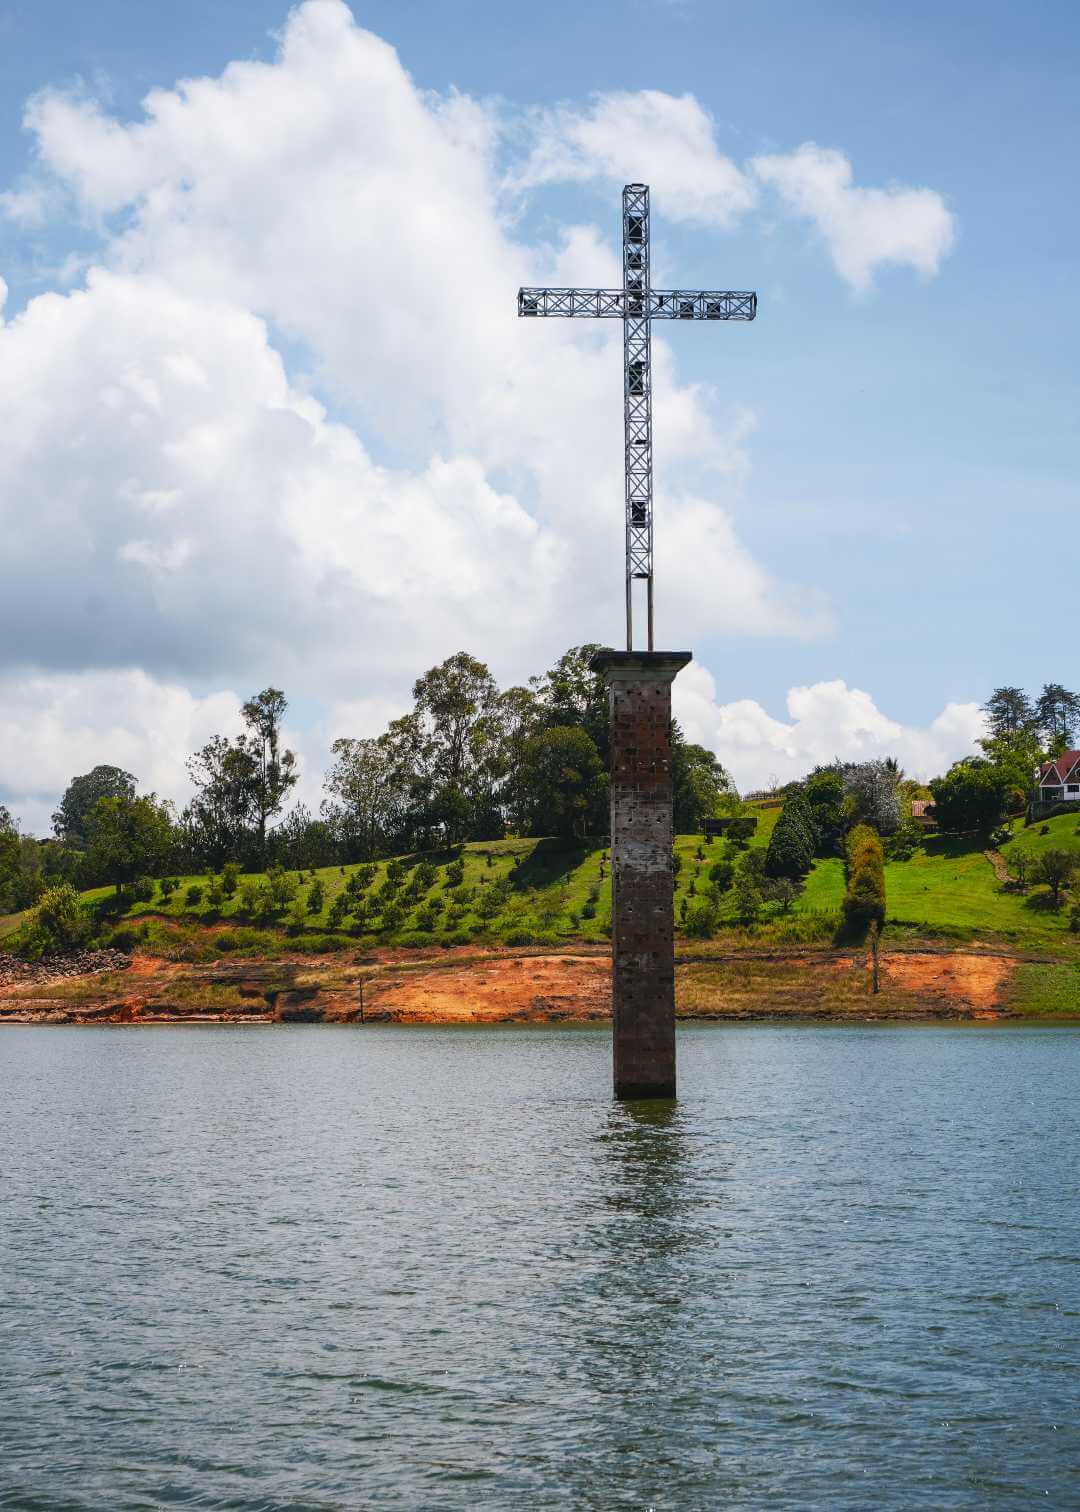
(637, 304)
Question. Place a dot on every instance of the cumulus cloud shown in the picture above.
(824, 720)
(53, 727)
(173, 497)
(862, 228)
(646, 136)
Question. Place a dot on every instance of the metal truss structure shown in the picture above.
(637, 304)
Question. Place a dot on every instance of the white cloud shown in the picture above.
(174, 498)
(53, 727)
(825, 720)
(646, 136)
(863, 228)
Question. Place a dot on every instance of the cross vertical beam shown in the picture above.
(637, 402)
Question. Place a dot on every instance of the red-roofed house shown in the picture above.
(1059, 780)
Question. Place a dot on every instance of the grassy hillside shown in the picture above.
(550, 893)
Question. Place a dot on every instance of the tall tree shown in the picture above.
(1008, 711)
(69, 821)
(571, 693)
(10, 867)
(565, 782)
(364, 803)
(219, 819)
(128, 837)
(274, 771)
(699, 782)
(452, 747)
(1057, 712)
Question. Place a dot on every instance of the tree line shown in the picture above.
(469, 761)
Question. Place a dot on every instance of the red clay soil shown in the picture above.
(471, 987)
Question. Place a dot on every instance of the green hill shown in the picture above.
(547, 892)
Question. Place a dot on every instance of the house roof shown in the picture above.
(1060, 768)
(922, 808)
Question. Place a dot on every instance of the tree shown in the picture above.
(973, 795)
(1008, 710)
(82, 793)
(571, 693)
(450, 750)
(57, 924)
(870, 787)
(274, 771)
(564, 780)
(699, 783)
(365, 800)
(1056, 868)
(10, 863)
(128, 837)
(790, 849)
(219, 818)
(1057, 713)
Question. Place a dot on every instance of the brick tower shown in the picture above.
(642, 902)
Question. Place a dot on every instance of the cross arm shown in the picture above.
(656, 304)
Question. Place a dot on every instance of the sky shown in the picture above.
(267, 414)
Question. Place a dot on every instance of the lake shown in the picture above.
(313, 1268)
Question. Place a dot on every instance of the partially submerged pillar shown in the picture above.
(642, 881)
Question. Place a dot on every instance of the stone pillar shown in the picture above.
(642, 903)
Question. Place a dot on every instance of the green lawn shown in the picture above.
(1063, 833)
(1046, 991)
(949, 885)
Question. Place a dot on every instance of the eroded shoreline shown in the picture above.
(524, 986)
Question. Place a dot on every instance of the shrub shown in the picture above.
(142, 890)
(1074, 919)
(168, 886)
(396, 870)
(460, 937)
(520, 937)
(417, 939)
(215, 894)
(227, 940)
(791, 846)
(700, 920)
(193, 896)
(297, 917)
(454, 875)
(230, 878)
(427, 918)
(392, 916)
(125, 939)
(56, 924)
(337, 912)
(281, 886)
(722, 875)
(1056, 868)
(864, 901)
(588, 909)
(747, 895)
(316, 897)
(906, 839)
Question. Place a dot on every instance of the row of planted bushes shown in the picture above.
(864, 901)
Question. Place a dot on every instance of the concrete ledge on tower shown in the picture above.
(642, 892)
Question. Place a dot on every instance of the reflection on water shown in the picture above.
(319, 1268)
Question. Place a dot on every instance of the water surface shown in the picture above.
(313, 1268)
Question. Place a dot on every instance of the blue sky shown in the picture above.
(906, 453)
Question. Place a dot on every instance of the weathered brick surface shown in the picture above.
(639, 694)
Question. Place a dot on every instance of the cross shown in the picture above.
(637, 304)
